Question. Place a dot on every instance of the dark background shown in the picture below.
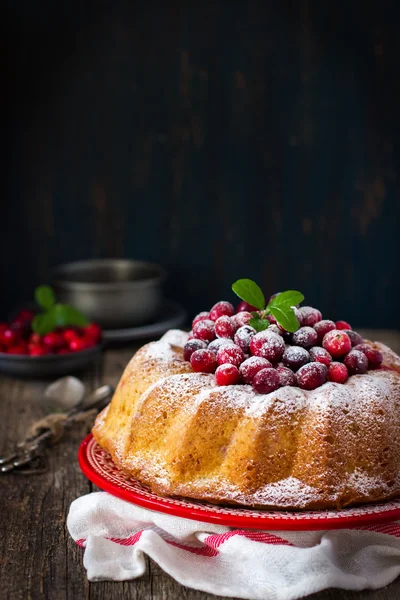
(221, 139)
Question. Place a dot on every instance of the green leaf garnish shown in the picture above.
(288, 298)
(286, 317)
(281, 306)
(259, 324)
(44, 296)
(55, 315)
(250, 292)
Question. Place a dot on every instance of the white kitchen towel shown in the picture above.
(229, 562)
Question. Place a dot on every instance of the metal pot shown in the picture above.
(115, 293)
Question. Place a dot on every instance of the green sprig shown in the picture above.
(54, 314)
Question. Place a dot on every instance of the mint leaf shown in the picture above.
(44, 296)
(259, 324)
(285, 316)
(43, 323)
(288, 298)
(250, 292)
(64, 314)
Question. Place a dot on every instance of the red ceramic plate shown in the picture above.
(98, 466)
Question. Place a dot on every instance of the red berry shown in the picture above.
(295, 357)
(203, 361)
(286, 376)
(305, 337)
(225, 327)
(26, 315)
(321, 355)
(272, 319)
(3, 327)
(355, 337)
(227, 375)
(311, 376)
(77, 345)
(245, 306)
(92, 331)
(242, 318)
(70, 335)
(375, 357)
(250, 367)
(204, 330)
(54, 340)
(337, 343)
(268, 345)
(278, 330)
(322, 327)
(18, 349)
(310, 315)
(243, 337)
(337, 372)
(202, 316)
(38, 350)
(191, 346)
(266, 381)
(221, 309)
(342, 325)
(231, 354)
(35, 338)
(90, 341)
(356, 362)
(64, 351)
(215, 345)
(8, 337)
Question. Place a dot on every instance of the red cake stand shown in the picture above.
(99, 468)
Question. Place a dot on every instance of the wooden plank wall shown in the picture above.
(222, 139)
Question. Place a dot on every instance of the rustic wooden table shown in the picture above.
(38, 559)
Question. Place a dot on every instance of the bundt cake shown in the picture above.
(270, 435)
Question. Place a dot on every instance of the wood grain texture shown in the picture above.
(221, 139)
(38, 560)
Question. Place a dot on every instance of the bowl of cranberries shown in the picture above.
(24, 352)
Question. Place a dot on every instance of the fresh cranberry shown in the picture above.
(225, 327)
(38, 350)
(26, 315)
(77, 345)
(250, 367)
(70, 335)
(268, 345)
(243, 337)
(203, 361)
(204, 330)
(245, 306)
(305, 337)
(191, 346)
(342, 325)
(3, 327)
(310, 315)
(90, 341)
(375, 357)
(321, 355)
(337, 343)
(311, 376)
(221, 309)
(227, 374)
(63, 351)
(356, 362)
(92, 331)
(355, 337)
(35, 338)
(337, 372)
(275, 328)
(8, 337)
(272, 319)
(202, 316)
(295, 357)
(242, 318)
(230, 354)
(266, 381)
(215, 345)
(286, 376)
(299, 316)
(322, 327)
(54, 340)
(18, 349)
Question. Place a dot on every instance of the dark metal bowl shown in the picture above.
(112, 292)
(23, 365)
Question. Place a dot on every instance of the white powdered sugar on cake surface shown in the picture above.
(165, 347)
